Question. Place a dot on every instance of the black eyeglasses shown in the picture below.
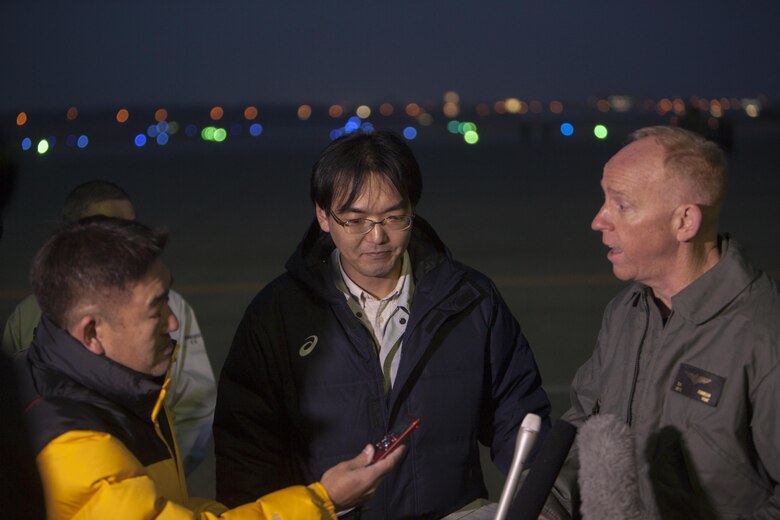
(363, 226)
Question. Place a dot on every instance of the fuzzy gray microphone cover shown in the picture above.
(607, 474)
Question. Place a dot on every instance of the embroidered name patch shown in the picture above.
(698, 384)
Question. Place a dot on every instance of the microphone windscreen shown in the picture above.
(538, 483)
(607, 473)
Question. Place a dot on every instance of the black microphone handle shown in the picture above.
(538, 483)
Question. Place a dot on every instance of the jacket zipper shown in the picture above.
(629, 408)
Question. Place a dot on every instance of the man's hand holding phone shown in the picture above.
(353, 481)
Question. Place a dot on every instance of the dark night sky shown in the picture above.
(106, 54)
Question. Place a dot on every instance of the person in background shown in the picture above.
(93, 385)
(192, 395)
(374, 322)
(21, 494)
(689, 352)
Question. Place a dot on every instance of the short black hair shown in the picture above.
(347, 164)
(92, 258)
(78, 200)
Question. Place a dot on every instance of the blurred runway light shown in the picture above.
(122, 115)
(452, 126)
(499, 107)
(471, 137)
(567, 129)
(43, 146)
(367, 128)
(220, 134)
(250, 113)
(413, 110)
(363, 111)
(52, 141)
(425, 119)
(600, 131)
(450, 109)
(256, 129)
(556, 107)
(82, 141)
(410, 132)
(21, 118)
(335, 111)
(216, 113)
(353, 123)
(152, 131)
(162, 139)
(386, 109)
(139, 140)
(512, 105)
(483, 110)
(26, 143)
(304, 112)
(752, 107)
(467, 126)
(621, 103)
(72, 113)
(207, 134)
(160, 114)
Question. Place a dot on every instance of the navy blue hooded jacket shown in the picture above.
(302, 387)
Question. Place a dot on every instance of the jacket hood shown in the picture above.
(309, 262)
(54, 350)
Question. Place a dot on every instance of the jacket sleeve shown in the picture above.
(194, 394)
(91, 475)
(252, 434)
(765, 425)
(516, 385)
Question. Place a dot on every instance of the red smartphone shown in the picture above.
(395, 437)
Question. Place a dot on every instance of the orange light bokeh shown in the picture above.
(160, 115)
(216, 113)
(21, 119)
(451, 109)
(72, 113)
(122, 115)
(335, 111)
(413, 110)
(250, 113)
(386, 109)
(304, 112)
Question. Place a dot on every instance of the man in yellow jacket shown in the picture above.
(94, 382)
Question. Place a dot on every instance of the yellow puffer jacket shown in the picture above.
(89, 474)
(106, 447)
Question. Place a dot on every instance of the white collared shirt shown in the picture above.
(385, 318)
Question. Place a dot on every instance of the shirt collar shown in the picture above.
(403, 288)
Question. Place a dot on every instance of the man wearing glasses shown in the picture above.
(373, 323)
